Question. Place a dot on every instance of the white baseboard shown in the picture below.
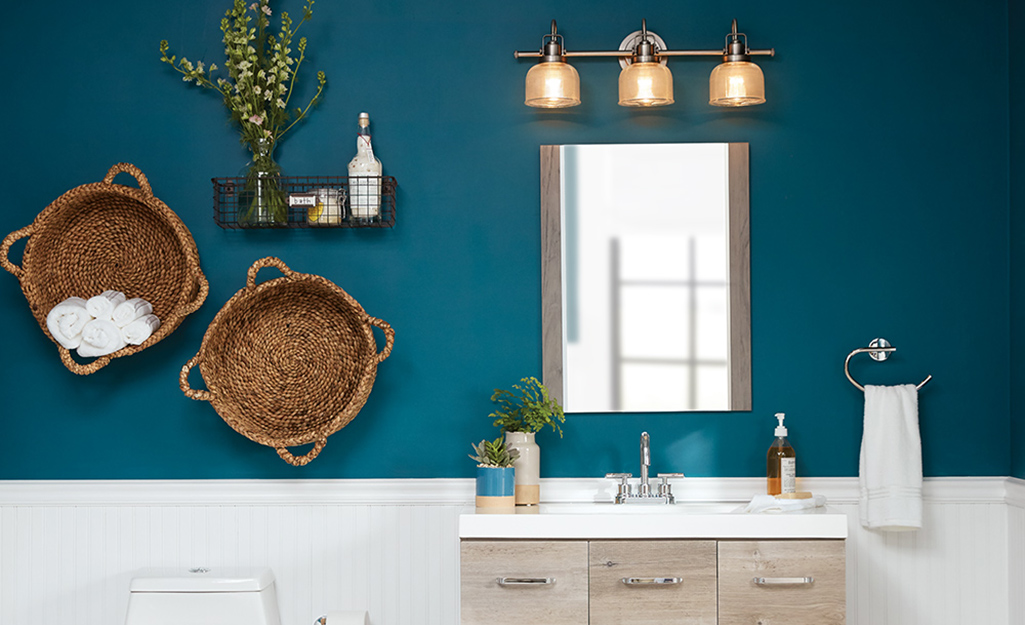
(838, 490)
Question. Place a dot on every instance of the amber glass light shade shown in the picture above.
(736, 83)
(552, 84)
(645, 84)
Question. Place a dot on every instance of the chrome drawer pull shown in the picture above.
(783, 581)
(525, 581)
(651, 581)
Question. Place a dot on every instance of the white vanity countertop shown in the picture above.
(686, 520)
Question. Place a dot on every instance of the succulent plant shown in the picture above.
(494, 453)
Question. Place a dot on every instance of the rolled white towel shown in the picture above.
(130, 310)
(136, 332)
(102, 306)
(99, 338)
(66, 320)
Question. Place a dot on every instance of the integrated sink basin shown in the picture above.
(637, 508)
(687, 520)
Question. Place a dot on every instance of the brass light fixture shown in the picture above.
(552, 83)
(738, 81)
(645, 80)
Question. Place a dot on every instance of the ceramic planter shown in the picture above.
(495, 487)
(528, 467)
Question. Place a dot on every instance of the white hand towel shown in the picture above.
(66, 320)
(102, 306)
(130, 310)
(99, 338)
(136, 332)
(890, 467)
(768, 503)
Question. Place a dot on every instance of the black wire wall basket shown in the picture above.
(305, 202)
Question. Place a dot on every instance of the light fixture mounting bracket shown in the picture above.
(634, 39)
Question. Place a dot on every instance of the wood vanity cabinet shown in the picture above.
(652, 582)
(798, 582)
(516, 582)
(649, 582)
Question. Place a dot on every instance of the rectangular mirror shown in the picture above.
(646, 303)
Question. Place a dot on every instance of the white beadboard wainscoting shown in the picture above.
(1016, 550)
(68, 549)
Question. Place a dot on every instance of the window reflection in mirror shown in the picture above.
(646, 277)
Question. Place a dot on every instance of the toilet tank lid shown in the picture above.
(202, 579)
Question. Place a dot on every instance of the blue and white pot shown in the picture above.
(496, 487)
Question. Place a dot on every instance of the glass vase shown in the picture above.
(262, 201)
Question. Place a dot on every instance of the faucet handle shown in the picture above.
(624, 484)
(619, 476)
(664, 488)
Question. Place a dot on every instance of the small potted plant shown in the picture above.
(521, 415)
(495, 474)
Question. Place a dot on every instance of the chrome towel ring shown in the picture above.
(879, 350)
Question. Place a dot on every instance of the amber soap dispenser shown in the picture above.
(781, 463)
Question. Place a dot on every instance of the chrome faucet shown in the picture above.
(643, 494)
(645, 464)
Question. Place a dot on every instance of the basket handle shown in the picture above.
(128, 168)
(389, 336)
(183, 382)
(5, 247)
(300, 461)
(269, 261)
(78, 369)
(199, 298)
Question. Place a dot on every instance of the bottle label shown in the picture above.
(788, 475)
(363, 145)
(302, 199)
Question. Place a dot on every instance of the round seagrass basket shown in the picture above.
(289, 361)
(102, 236)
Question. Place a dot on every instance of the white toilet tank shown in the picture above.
(201, 596)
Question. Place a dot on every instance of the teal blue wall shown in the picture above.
(879, 207)
(1016, 20)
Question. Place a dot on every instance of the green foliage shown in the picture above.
(528, 410)
(261, 71)
(494, 453)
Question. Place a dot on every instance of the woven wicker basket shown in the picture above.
(102, 236)
(289, 361)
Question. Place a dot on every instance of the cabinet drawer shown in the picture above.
(641, 582)
(544, 582)
(797, 582)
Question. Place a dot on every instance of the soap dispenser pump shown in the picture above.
(781, 462)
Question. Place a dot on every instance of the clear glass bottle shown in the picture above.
(781, 463)
(364, 177)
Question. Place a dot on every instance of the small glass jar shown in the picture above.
(329, 209)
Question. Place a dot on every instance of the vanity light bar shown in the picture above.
(553, 83)
(628, 53)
